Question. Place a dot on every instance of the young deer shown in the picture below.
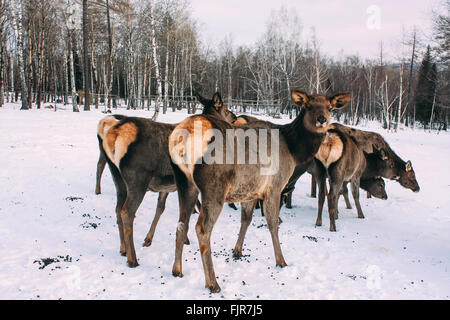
(297, 143)
(136, 150)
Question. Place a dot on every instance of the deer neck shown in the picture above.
(302, 143)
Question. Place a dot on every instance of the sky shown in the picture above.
(342, 27)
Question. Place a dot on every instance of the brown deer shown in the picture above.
(136, 150)
(341, 160)
(383, 161)
(232, 182)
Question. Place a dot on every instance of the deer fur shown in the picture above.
(136, 150)
(220, 183)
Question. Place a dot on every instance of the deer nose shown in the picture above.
(322, 119)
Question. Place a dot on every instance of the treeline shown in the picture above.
(148, 54)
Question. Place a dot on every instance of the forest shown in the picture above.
(150, 55)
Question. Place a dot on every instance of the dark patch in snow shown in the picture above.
(74, 198)
(351, 276)
(88, 225)
(310, 238)
(43, 262)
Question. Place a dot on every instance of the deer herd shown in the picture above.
(146, 155)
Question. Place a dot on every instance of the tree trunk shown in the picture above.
(411, 66)
(94, 66)
(400, 98)
(19, 31)
(87, 79)
(166, 69)
(155, 62)
(109, 84)
(72, 75)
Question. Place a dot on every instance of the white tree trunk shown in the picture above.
(155, 62)
(166, 69)
(19, 33)
(72, 76)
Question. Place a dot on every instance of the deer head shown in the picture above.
(397, 170)
(318, 108)
(216, 107)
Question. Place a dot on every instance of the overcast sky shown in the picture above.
(354, 26)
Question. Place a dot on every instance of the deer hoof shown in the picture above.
(187, 241)
(147, 243)
(318, 223)
(214, 288)
(132, 264)
(178, 274)
(237, 254)
(333, 228)
(361, 216)
(281, 264)
(123, 253)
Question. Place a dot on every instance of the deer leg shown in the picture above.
(321, 182)
(100, 167)
(246, 218)
(289, 200)
(355, 193)
(232, 206)
(313, 187)
(332, 203)
(345, 194)
(272, 209)
(208, 216)
(159, 211)
(261, 206)
(135, 195)
(121, 194)
(368, 195)
(187, 198)
(197, 208)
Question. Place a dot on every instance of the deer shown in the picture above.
(384, 162)
(136, 150)
(218, 183)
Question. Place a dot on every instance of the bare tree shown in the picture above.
(86, 65)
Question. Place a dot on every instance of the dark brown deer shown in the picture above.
(341, 160)
(136, 150)
(387, 163)
(232, 182)
(384, 162)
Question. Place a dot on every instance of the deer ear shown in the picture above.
(408, 166)
(381, 153)
(217, 99)
(299, 97)
(200, 99)
(340, 100)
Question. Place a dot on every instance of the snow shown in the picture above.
(48, 209)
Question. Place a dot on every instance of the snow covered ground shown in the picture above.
(49, 213)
